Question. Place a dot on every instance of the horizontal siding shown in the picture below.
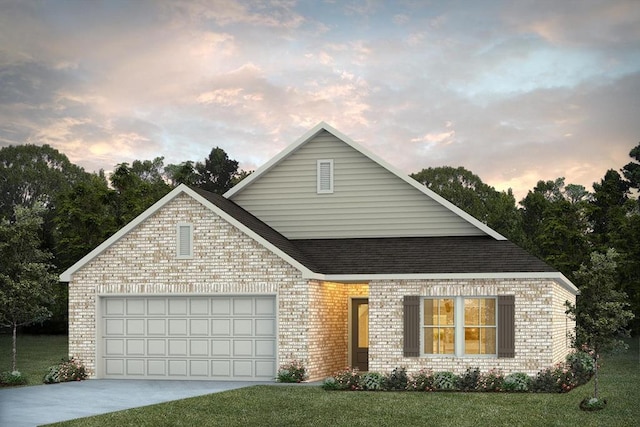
(368, 200)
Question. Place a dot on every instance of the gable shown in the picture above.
(366, 199)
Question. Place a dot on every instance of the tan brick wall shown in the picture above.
(536, 321)
(225, 261)
(563, 328)
(328, 326)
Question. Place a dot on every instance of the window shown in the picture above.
(325, 176)
(184, 241)
(459, 326)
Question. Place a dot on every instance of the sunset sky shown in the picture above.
(515, 91)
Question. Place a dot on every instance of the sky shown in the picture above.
(514, 91)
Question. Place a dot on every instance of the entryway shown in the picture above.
(360, 333)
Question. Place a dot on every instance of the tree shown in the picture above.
(601, 312)
(554, 224)
(217, 173)
(26, 276)
(137, 187)
(631, 170)
(467, 191)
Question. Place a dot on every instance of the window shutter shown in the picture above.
(411, 326)
(184, 241)
(325, 176)
(506, 326)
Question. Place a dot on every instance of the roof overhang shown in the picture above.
(360, 278)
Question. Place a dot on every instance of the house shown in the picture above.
(326, 254)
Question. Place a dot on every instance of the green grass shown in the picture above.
(282, 405)
(36, 353)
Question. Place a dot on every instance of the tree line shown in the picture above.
(63, 212)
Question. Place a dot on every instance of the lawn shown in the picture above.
(35, 354)
(295, 405)
(277, 405)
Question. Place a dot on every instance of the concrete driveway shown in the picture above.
(43, 404)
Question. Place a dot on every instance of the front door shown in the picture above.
(360, 334)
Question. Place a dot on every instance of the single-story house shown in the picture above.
(327, 255)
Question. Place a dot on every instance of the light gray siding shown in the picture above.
(367, 200)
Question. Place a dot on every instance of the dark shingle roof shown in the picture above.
(399, 255)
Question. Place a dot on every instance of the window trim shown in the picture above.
(459, 327)
(180, 254)
(319, 180)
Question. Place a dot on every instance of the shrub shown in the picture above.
(518, 381)
(292, 372)
(583, 366)
(469, 380)
(12, 378)
(346, 379)
(397, 380)
(422, 381)
(445, 381)
(372, 381)
(67, 370)
(592, 404)
(491, 381)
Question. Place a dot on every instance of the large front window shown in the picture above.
(459, 326)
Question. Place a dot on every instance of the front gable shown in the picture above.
(326, 186)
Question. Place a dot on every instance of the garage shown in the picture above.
(188, 337)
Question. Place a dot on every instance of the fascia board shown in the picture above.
(66, 275)
(556, 276)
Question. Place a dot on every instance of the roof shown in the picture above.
(364, 259)
(322, 126)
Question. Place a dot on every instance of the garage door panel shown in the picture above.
(206, 337)
(135, 307)
(135, 367)
(114, 347)
(135, 347)
(135, 326)
(199, 327)
(177, 327)
(199, 348)
(242, 327)
(221, 307)
(221, 327)
(221, 348)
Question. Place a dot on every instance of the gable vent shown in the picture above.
(325, 176)
(185, 241)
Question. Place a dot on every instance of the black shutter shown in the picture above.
(506, 326)
(411, 326)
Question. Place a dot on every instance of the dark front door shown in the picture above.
(360, 334)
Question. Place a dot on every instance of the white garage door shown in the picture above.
(225, 338)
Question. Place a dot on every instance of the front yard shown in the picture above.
(299, 405)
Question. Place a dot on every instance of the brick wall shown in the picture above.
(537, 319)
(225, 261)
(328, 326)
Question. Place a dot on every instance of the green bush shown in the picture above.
(582, 365)
(67, 370)
(372, 381)
(422, 381)
(346, 379)
(397, 380)
(469, 380)
(292, 372)
(445, 381)
(518, 381)
(12, 378)
(491, 381)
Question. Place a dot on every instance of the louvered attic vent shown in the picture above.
(325, 176)
(185, 241)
